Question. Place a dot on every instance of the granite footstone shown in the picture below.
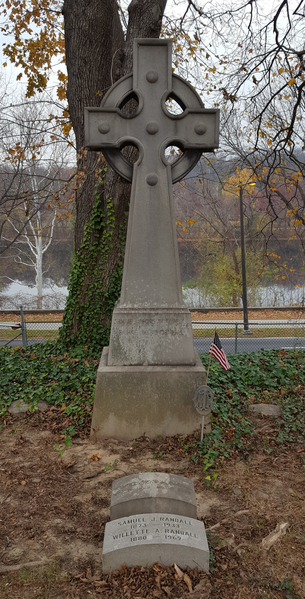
(266, 409)
(152, 492)
(19, 407)
(144, 539)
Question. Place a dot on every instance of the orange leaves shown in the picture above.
(62, 89)
(16, 154)
(292, 81)
(61, 92)
(95, 457)
(243, 178)
(38, 37)
(63, 122)
(62, 77)
(66, 128)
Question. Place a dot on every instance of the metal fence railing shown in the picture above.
(262, 334)
(25, 332)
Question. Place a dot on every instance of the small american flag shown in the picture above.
(218, 353)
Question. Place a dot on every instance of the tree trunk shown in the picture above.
(97, 55)
(38, 269)
(94, 42)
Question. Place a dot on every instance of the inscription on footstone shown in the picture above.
(143, 539)
(149, 492)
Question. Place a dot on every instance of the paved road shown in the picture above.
(33, 326)
(206, 324)
(249, 344)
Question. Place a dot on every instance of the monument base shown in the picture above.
(155, 400)
(151, 337)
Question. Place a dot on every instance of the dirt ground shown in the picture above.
(54, 509)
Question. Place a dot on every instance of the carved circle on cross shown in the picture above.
(152, 76)
(152, 128)
(203, 400)
(182, 92)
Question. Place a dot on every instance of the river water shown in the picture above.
(17, 294)
(272, 296)
(54, 297)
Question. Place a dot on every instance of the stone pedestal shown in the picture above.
(155, 400)
(152, 336)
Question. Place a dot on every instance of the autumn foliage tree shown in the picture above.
(97, 52)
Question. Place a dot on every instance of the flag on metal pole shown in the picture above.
(218, 353)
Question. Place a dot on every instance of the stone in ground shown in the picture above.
(150, 492)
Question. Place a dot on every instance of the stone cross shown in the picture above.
(150, 324)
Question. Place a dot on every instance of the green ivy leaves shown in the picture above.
(94, 285)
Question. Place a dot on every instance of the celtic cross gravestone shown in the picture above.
(151, 326)
(151, 308)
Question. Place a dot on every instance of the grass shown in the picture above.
(37, 335)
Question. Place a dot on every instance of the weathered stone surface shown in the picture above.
(155, 400)
(145, 327)
(143, 539)
(149, 374)
(150, 492)
(266, 408)
(150, 324)
(19, 406)
(42, 406)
